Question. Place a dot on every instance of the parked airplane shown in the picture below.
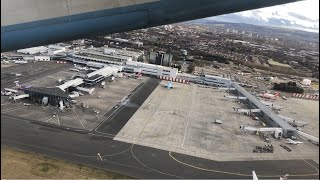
(6, 93)
(270, 96)
(73, 69)
(169, 85)
(240, 110)
(20, 62)
(139, 74)
(290, 141)
(4, 61)
(235, 97)
(11, 90)
(26, 86)
(293, 122)
(130, 75)
(226, 88)
(80, 67)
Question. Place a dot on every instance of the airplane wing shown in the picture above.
(169, 85)
(290, 141)
(29, 23)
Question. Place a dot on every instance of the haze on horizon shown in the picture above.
(302, 15)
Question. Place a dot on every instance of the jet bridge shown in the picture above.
(267, 114)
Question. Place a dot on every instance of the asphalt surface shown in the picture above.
(134, 160)
(9, 82)
(137, 161)
(119, 115)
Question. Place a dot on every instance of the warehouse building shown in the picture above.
(103, 58)
(123, 63)
(131, 69)
(187, 77)
(33, 50)
(124, 42)
(95, 79)
(42, 58)
(214, 81)
(277, 65)
(123, 52)
(160, 58)
(206, 79)
(53, 95)
(152, 69)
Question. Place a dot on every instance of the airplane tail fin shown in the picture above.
(254, 176)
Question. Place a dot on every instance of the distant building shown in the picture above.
(278, 65)
(55, 49)
(306, 82)
(160, 58)
(34, 50)
(151, 69)
(42, 58)
(123, 52)
(184, 52)
(138, 43)
(125, 42)
(214, 81)
(103, 58)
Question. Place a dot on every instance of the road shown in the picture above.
(134, 160)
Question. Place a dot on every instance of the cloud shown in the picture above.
(302, 14)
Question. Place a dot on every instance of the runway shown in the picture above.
(134, 160)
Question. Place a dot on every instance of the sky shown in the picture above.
(303, 15)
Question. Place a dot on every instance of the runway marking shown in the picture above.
(26, 114)
(151, 167)
(100, 157)
(107, 136)
(58, 120)
(85, 156)
(5, 103)
(238, 174)
(105, 160)
(78, 117)
(94, 122)
(186, 129)
(12, 109)
(156, 109)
